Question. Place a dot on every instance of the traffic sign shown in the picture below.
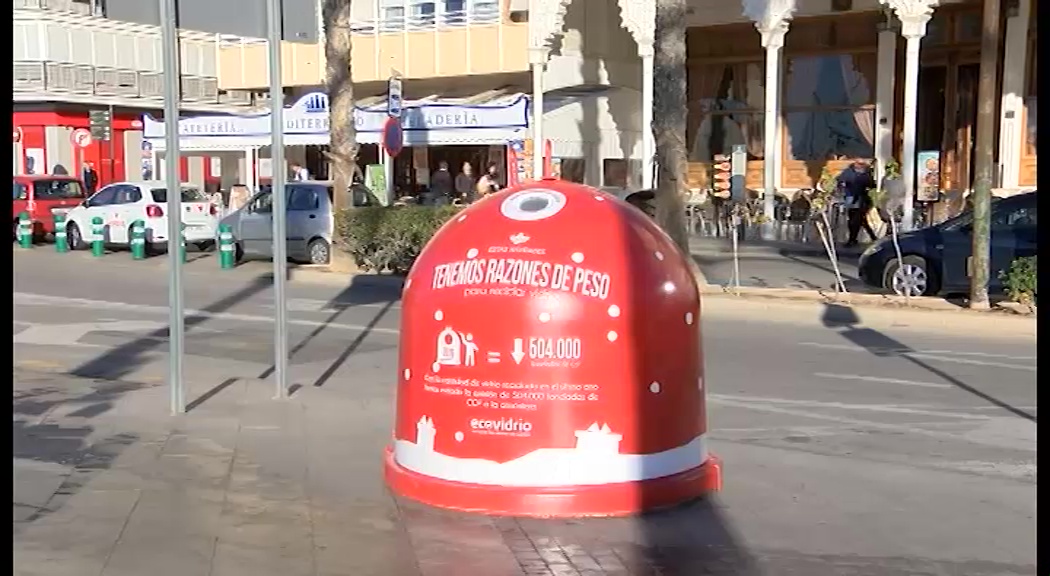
(101, 124)
(81, 138)
(393, 137)
(393, 96)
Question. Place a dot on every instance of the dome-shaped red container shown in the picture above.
(550, 362)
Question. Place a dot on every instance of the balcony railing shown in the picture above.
(80, 79)
(56, 5)
(395, 20)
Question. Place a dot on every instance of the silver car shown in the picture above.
(310, 223)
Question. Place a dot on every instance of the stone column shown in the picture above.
(913, 15)
(771, 18)
(546, 22)
(1011, 120)
(885, 93)
(639, 18)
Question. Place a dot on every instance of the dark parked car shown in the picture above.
(936, 259)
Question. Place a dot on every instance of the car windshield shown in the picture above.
(20, 191)
(160, 195)
(57, 189)
(965, 217)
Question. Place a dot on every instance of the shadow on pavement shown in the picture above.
(123, 360)
(844, 320)
(41, 492)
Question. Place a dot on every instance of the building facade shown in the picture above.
(806, 84)
(72, 57)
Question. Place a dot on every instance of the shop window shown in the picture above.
(967, 28)
(936, 30)
(829, 107)
(620, 173)
(573, 169)
(719, 133)
(727, 100)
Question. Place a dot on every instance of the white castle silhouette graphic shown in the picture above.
(595, 459)
(425, 433)
(595, 440)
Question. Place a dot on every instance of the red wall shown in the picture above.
(108, 157)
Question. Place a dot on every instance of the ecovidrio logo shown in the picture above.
(510, 426)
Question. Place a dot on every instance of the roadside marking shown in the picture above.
(850, 421)
(887, 408)
(911, 351)
(882, 380)
(43, 365)
(935, 355)
(25, 299)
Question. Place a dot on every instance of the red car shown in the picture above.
(42, 196)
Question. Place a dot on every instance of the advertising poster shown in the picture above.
(928, 182)
(375, 180)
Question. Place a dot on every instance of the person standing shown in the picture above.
(90, 178)
(856, 181)
(489, 182)
(299, 174)
(441, 184)
(465, 184)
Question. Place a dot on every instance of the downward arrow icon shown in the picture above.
(518, 352)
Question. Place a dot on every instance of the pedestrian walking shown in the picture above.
(856, 181)
(489, 182)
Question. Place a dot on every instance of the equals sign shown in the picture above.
(493, 357)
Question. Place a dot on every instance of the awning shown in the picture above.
(491, 117)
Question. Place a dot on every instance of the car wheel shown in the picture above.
(318, 251)
(910, 277)
(238, 252)
(205, 246)
(74, 238)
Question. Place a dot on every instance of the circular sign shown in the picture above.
(80, 138)
(18, 134)
(393, 137)
(587, 397)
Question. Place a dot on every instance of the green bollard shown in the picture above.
(25, 230)
(61, 245)
(182, 242)
(98, 241)
(138, 240)
(226, 247)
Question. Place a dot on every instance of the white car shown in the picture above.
(122, 203)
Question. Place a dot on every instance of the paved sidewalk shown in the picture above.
(776, 264)
(108, 484)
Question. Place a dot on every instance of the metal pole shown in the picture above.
(280, 173)
(176, 327)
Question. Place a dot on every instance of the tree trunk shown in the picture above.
(342, 149)
(985, 156)
(669, 116)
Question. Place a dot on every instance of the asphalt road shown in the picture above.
(854, 442)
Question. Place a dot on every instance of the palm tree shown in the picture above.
(669, 117)
(342, 149)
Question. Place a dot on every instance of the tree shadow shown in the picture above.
(36, 439)
(125, 359)
(844, 320)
